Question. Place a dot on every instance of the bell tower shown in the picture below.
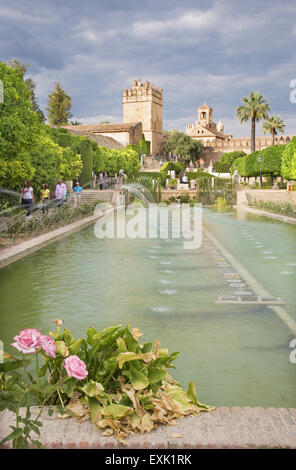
(205, 115)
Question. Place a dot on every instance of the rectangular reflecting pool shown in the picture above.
(237, 354)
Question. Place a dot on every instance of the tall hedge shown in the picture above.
(64, 140)
(85, 150)
(288, 168)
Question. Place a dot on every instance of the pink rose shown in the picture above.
(48, 345)
(27, 341)
(75, 367)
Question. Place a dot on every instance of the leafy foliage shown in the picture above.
(255, 108)
(59, 105)
(182, 144)
(273, 125)
(283, 208)
(288, 168)
(127, 387)
(271, 163)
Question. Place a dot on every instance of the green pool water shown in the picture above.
(237, 355)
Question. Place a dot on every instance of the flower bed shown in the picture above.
(109, 378)
(283, 208)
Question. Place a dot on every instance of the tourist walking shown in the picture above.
(94, 179)
(77, 194)
(45, 198)
(27, 197)
(101, 180)
(105, 180)
(60, 193)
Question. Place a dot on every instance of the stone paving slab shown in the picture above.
(222, 428)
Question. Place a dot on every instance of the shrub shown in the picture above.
(185, 199)
(108, 377)
(283, 208)
(288, 169)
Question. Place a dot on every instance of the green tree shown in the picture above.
(271, 162)
(288, 168)
(255, 107)
(182, 144)
(22, 69)
(273, 125)
(228, 159)
(19, 129)
(52, 162)
(59, 105)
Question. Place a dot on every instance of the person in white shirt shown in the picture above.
(27, 197)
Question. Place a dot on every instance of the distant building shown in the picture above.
(143, 103)
(216, 142)
(121, 134)
(142, 114)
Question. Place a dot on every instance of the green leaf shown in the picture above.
(92, 388)
(138, 380)
(68, 338)
(27, 399)
(116, 411)
(20, 442)
(16, 433)
(12, 365)
(42, 370)
(121, 345)
(74, 348)
(156, 375)
(132, 344)
(91, 332)
(36, 443)
(147, 347)
(95, 410)
(130, 356)
(69, 386)
(191, 394)
(50, 411)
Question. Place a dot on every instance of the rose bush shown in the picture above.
(122, 386)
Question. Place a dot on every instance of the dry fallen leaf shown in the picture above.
(137, 333)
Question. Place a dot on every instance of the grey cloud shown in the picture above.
(194, 50)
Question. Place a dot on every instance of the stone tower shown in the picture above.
(143, 103)
(205, 115)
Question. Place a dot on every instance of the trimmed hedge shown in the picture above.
(270, 165)
(176, 166)
(85, 150)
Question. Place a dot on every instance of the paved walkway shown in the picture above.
(229, 428)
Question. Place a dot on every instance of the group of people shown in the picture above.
(102, 180)
(62, 194)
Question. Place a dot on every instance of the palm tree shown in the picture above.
(255, 108)
(273, 125)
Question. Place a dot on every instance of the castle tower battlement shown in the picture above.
(142, 102)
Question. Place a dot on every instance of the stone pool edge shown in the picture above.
(222, 428)
(271, 215)
(15, 252)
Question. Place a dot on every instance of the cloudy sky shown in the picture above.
(195, 50)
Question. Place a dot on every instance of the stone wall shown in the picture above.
(213, 150)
